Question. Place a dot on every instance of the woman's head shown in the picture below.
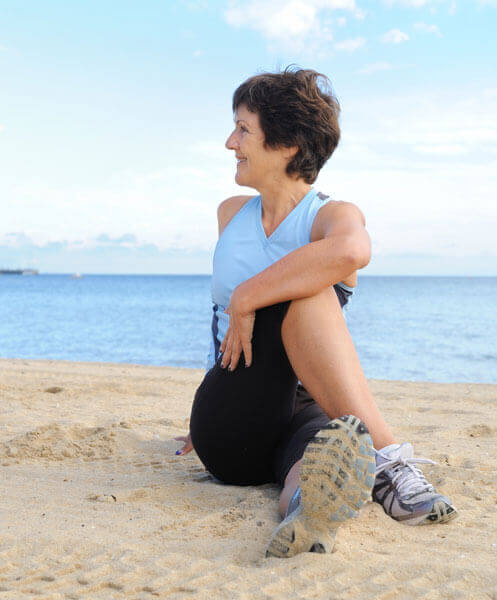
(295, 109)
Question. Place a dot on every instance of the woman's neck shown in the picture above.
(279, 198)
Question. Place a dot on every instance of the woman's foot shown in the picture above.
(403, 491)
(337, 476)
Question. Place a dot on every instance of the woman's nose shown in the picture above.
(231, 142)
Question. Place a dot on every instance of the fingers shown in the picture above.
(247, 353)
(238, 338)
(187, 447)
(224, 343)
(235, 355)
(228, 350)
(232, 353)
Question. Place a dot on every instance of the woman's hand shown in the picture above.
(239, 334)
(188, 447)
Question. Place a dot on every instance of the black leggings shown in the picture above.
(250, 426)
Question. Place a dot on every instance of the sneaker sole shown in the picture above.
(337, 476)
(440, 513)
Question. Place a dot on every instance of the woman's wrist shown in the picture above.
(242, 299)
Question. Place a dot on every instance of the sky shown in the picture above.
(114, 115)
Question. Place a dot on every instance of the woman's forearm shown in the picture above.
(304, 272)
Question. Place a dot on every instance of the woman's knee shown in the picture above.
(326, 299)
(324, 303)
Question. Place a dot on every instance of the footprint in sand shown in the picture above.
(479, 431)
(102, 498)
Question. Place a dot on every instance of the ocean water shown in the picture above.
(406, 328)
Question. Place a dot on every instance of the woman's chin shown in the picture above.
(241, 180)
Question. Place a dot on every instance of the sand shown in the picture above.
(94, 503)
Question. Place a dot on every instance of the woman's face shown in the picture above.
(256, 165)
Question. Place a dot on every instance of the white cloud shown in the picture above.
(433, 4)
(441, 149)
(156, 206)
(423, 168)
(419, 165)
(490, 93)
(195, 5)
(376, 67)
(394, 36)
(127, 239)
(14, 238)
(446, 125)
(341, 21)
(350, 45)
(412, 3)
(292, 19)
(289, 22)
(425, 28)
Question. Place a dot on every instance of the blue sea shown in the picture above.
(441, 329)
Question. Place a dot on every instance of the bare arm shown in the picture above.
(228, 209)
(344, 247)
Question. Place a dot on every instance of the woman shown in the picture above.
(282, 369)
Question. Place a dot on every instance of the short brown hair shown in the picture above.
(295, 111)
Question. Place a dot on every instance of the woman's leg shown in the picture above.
(324, 359)
(238, 417)
(322, 354)
(292, 482)
(336, 479)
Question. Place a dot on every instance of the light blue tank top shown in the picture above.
(243, 250)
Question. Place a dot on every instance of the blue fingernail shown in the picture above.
(178, 452)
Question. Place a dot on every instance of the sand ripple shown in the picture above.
(94, 503)
(55, 442)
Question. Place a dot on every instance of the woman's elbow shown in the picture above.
(359, 252)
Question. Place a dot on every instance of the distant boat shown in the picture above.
(19, 272)
(76, 276)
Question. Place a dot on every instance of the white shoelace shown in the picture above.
(408, 478)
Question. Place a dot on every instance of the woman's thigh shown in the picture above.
(238, 417)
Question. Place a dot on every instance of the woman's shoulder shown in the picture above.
(331, 211)
(228, 209)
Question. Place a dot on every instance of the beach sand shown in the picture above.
(94, 503)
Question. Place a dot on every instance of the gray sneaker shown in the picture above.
(401, 488)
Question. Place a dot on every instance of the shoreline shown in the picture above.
(100, 364)
(96, 504)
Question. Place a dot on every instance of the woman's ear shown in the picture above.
(291, 152)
